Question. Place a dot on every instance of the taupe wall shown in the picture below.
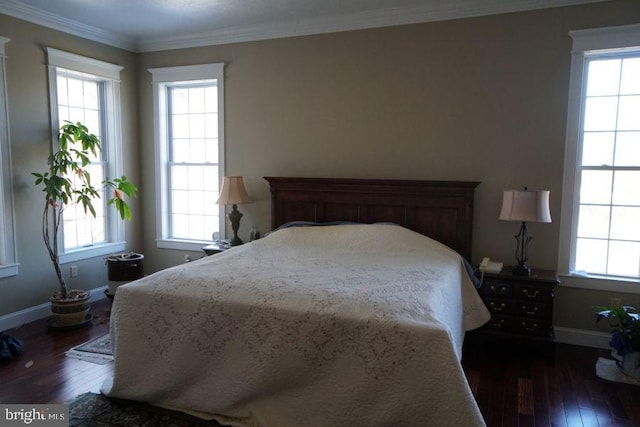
(29, 123)
(475, 99)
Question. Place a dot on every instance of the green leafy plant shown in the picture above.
(625, 327)
(67, 181)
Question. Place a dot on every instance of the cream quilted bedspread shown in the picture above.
(351, 325)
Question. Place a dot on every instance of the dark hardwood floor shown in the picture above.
(514, 385)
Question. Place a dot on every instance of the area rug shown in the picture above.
(608, 370)
(97, 350)
(96, 410)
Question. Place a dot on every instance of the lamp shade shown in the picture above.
(233, 191)
(525, 206)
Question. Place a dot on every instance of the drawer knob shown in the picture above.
(502, 291)
(528, 311)
(496, 307)
(526, 293)
(531, 328)
(497, 324)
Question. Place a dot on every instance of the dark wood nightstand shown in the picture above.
(520, 306)
(215, 248)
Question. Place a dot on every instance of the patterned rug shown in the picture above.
(97, 350)
(96, 410)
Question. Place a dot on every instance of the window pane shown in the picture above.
(600, 114)
(593, 221)
(624, 223)
(180, 126)
(597, 148)
(628, 149)
(591, 256)
(194, 142)
(180, 101)
(596, 187)
(630, 84)
(603, 77)
(626, 188)
(196, 100)
(624, 258)
(196, 126)
(78, 101)
(629, 114)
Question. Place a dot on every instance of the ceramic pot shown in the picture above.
(630, 364)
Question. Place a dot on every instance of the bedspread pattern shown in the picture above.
(345, 325)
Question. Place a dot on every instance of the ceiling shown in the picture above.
(148, 25)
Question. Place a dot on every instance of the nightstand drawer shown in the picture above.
(523, 309)
(531, 293)
(496, 288)
(528, 327)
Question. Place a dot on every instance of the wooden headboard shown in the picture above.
(442, 210)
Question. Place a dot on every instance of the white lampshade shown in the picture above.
(233, 191)
(525, 206)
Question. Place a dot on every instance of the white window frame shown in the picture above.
(161, 78)
(111, 140)
(586, 43)
(8, 261)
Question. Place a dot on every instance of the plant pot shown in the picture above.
(124, 268)
(630, 364)
(71, 311)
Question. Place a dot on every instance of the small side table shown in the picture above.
(215, 248)
(520, 305)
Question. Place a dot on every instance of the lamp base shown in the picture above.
(521, 270)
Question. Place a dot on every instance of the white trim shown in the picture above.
(37, 16)
(161, 78)
(41, 311)
(181, 245)
(8, 248)
(597, 283)
(92, 252)
(429, 12)
(71, 61)
(619, 37)
(109, 75)
(582, 337)
(8, 270)
(586, 43)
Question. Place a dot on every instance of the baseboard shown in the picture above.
(19, 318)
(582, 337)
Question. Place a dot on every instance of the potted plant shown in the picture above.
(625, 337)
(65, 165)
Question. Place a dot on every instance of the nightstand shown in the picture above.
(520, 306)
(215, 248)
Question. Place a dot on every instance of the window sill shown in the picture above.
(182, 245)
(600, 283)
(8, 270)
(92, 252)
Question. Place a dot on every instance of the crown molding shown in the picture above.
(358, 21)
(60, 23)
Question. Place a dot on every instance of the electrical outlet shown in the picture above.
(74, 271)
(614, 302)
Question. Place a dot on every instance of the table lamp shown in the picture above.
(524, 206)
(233, 193)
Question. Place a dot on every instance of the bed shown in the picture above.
(359, 323)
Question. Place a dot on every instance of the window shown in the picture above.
(600, 235)
(189, 146)
(86, 90)
(8, 266)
